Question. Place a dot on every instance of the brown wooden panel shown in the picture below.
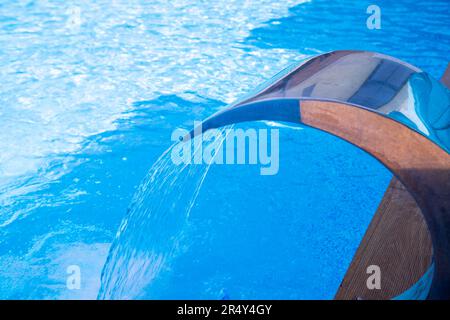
(422, 167)
(397, 233)
(397, 241)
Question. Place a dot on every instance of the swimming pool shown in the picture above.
(90, 95)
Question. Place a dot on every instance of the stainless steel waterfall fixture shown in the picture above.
(388, 108)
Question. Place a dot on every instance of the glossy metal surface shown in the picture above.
(370, 80)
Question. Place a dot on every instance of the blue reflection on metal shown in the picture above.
(420, 290)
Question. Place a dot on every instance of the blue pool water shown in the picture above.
(90, 94)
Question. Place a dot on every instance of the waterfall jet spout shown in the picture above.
(390, 109)
(274, 109)
(367, 80)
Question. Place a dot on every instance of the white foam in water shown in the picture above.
(71, 71)
(149, 235)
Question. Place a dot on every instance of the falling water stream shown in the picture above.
(150, 235)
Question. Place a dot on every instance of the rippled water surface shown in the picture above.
(90, 93)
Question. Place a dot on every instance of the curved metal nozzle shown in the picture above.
(271, 110)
